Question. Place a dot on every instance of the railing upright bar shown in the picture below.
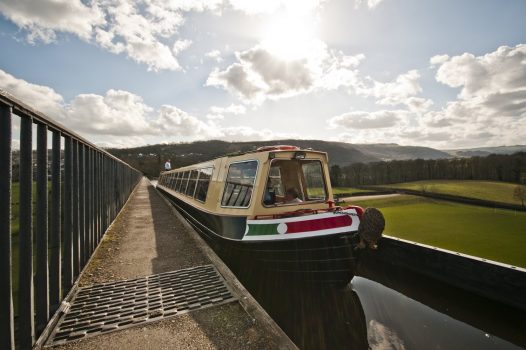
(90, 202)
(26, 304)
(82, 227)
(75, 202)
(104, 194)
(7, 339)
(87, 201)
(68, 213)
(54, 235)
(97, 196)
(41, 231)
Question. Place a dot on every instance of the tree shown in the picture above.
(336, 175)
(519, 193)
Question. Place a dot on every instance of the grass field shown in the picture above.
(487, 190)
(340, 190)
(498, 235)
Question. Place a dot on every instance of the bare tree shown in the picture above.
(519, 193)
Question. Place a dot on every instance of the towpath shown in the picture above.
(148, 238)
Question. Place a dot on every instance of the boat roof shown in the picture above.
(260, 150)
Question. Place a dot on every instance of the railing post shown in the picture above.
(75, 202)
(7, 340)
(68, 213)
(26, 304)
(82, 226)
(89, 202)
(96, 169)
(55, 233)
(41, 231)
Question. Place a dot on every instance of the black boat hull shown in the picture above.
(327, 259)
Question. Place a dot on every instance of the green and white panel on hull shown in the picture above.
(302, 226)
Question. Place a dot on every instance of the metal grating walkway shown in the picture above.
(112, 306)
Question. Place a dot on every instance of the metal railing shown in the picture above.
(56, 238)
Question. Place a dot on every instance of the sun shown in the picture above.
(291, 36)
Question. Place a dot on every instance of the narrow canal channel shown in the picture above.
(387, 308)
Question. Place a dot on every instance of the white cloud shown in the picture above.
(400, 91)
(370, 3)
(369, 120)
(122, 119)
(259, 75)
(501, 71)
(140, 29)
(181, 45)
(247, 133)
(438, 59)
(232, 109)
(42, 98)
(270, 6)
(215, 55)
(491, 105)
(418, 104)
(42, 19)
(218, 113)
(118, 113)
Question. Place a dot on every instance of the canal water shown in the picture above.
(385, 307)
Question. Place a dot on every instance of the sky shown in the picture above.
(123, 73)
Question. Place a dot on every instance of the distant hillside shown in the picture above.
(391, 151)
(485, 151)
(149, 159)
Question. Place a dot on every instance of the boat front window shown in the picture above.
(239, 184)
(294, 181)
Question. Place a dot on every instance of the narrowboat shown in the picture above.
(272, 209)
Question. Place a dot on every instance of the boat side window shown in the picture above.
(294, 181)
(184, 181)
(167, 182)
(176, 181)
(192, 181)
(239, 184)
(170, 180)
(202, 183)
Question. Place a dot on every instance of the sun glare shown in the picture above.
(291, 36)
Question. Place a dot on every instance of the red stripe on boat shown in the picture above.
(319, 224)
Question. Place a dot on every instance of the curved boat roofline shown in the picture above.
(261, 150)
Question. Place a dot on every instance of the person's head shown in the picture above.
(291, 193)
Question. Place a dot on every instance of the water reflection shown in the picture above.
(387, 308)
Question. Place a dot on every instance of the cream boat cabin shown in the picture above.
(273, 205)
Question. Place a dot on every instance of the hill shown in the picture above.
(150, 158)
(486, 151)
(391, 151)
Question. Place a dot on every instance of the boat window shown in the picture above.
(202, 183)
(190, 188)
(179, 177)
(170, 179)
(184, 181)
(176, 181)
(239, 184)
(293, 181)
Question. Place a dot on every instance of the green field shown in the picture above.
(486, 190)
(340, 190)
(498, 235)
